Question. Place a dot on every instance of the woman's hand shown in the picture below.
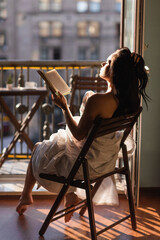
(59, 100)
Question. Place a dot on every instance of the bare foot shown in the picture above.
(23, 204)
(71, 199)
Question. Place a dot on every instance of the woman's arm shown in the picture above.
(79, 130)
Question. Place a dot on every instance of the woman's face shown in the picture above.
(104, 72)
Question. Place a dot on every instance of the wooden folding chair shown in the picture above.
(79, 83)
(100, 128)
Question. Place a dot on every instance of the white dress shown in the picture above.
(58, 154)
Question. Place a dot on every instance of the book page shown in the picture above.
(55, 81)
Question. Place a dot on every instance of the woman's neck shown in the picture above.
(111, 88)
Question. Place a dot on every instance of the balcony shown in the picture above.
(45, 119)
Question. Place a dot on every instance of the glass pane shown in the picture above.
(129, 23)
(95, 5)
(82, 53)
(44, 29)
(56, 29)
(2, 39)
(3, 9)
(43, 5)
(82, 29)
(82, 5)
(93, 29)
(94, 51)
(118, 6)
(56, 5)
(44, 53)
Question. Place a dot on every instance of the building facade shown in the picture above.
(59, 29)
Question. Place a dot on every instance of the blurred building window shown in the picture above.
(94, 53)
(85, 29)
(95, 5)
(82, 53)
(88, 53)
(88, 5)
(54, 5)
(44, 53)
(118, 6)
(50, 29)
(3, 9)
(2, 39)
(82, 6)
(44, 29)
(57, 53)
(56, 29)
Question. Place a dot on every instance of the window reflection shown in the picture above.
(48, 29)
(2, 39)
(44, 29)
(56, 29)
(91, 29)
(3, 9)
(54, 5)
(94, 5)
(88, 5)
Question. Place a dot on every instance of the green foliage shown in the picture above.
(9, 79)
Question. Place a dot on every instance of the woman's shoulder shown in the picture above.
(104, 104)
(108, 96)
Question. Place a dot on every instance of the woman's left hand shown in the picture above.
(59, 100)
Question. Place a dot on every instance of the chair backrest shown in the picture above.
(79, 83)
(103, 126)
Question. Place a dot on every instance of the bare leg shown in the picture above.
(26, 196)
(70, 199)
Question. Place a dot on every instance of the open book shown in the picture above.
(55, 81)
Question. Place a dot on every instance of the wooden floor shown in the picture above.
(13, 227)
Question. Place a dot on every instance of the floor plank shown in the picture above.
(13, 227)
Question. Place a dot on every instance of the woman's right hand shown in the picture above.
(59, 100)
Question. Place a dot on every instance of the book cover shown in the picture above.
(55, 81)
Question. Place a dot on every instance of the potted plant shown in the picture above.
(9, 82)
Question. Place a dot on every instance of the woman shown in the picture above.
(127, 79)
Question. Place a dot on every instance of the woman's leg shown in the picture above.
(70, 199)
(26, 196)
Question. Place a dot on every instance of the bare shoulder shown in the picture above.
(103, 104)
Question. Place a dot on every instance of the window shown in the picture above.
(44, 29)
(53, 5)
(56, 5)
(88, 53)
(3, 9)
(2, 39)
(118, 6)
(44, 53)
(94, 5)
(94, 53)
(47, 52)
(88, 5)
(50, 29)
(85, 29)
(57, 53)
(56, 29)
(82, 53)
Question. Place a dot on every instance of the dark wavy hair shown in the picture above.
(128, 74)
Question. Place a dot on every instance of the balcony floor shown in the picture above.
(27, 227)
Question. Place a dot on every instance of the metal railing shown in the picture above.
(46, 118)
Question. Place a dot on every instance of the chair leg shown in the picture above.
(93, 192)
(129, 189)
(89, 201)
(53, 210)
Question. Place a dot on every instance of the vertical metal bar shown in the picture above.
(1, 84)
(122, 23)
(14, 106)
(28, 107)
